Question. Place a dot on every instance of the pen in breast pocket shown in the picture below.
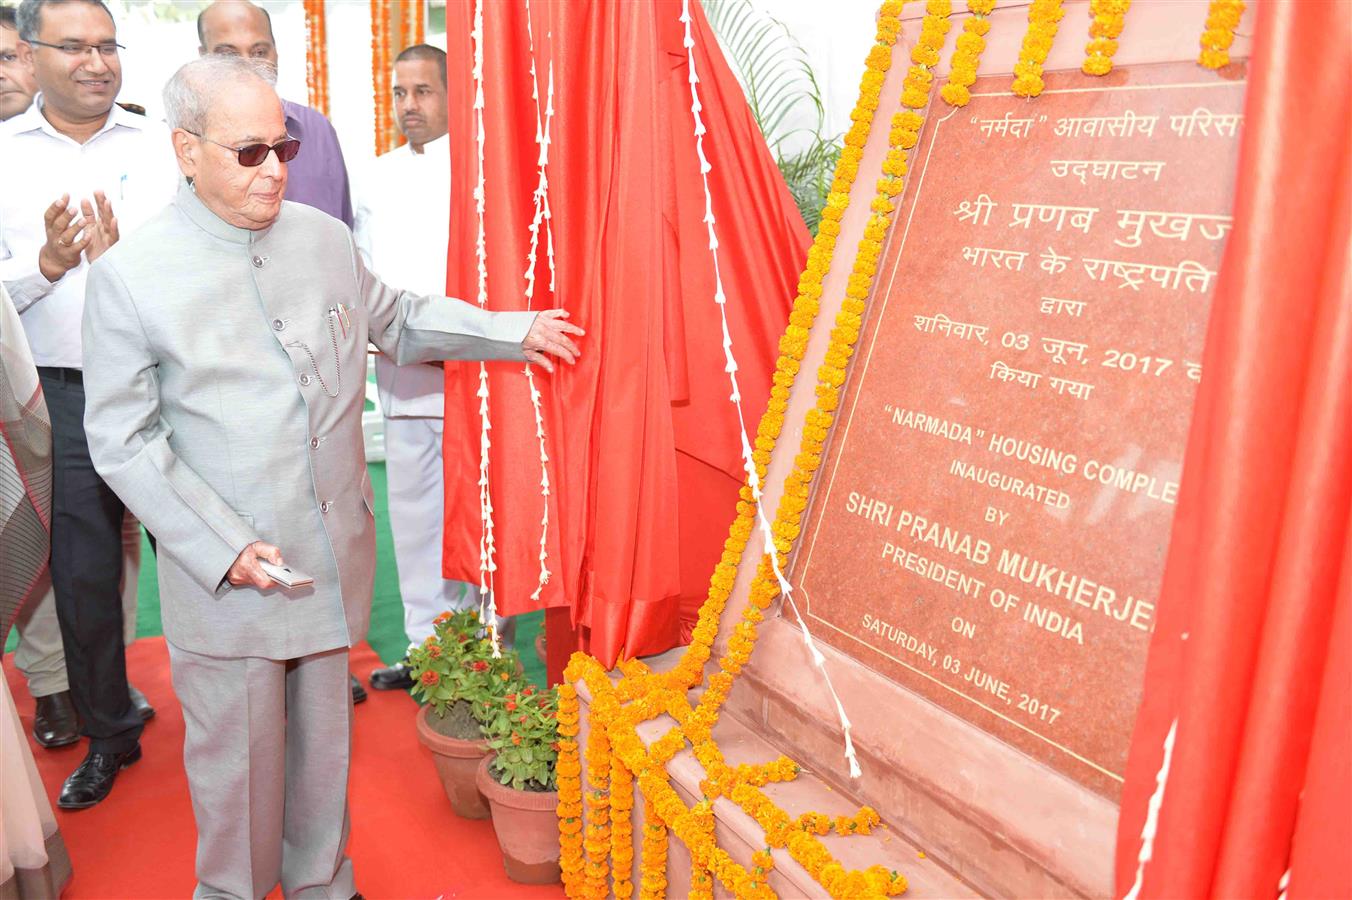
(340, 313)
(122, 188)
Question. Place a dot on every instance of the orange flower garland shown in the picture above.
(317, 55)
(653, 868)
(568, 770)
(701, 885)
(402, 12)
(621, 829)
(380, 73)
(967, 56)
(1044, 17)
(925, 54)
(1108, 18)
(597, 803)
(1221, 21)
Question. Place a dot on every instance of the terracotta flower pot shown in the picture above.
(528, 829)
(457, 763)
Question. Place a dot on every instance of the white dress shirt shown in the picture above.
(130, 159)
(402, 226)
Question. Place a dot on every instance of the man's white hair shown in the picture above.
(190, 93)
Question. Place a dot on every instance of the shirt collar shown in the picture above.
(32, 119)
(438, 147)
(192, 206)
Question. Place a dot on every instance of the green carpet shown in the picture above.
(386, 635)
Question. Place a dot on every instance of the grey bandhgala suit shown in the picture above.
(225, 372)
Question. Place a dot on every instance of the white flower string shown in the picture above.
(748, 461)
(487, 565)
(1152, 814)
(541, 214)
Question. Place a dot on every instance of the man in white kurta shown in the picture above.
(402, 230)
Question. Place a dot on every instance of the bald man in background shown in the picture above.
(318, 175)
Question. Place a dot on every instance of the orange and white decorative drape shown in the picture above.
(317, 55)
(395, 26)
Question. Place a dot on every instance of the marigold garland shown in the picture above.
(1105, 26)
(1044, 17)
(967, 56)
(317, 55)
(380, 73)
(401, 11)
(568, 771)
(701, 885)
(597, 804)
(653, 866)
(617, 708)
(925, 54)
(1222, 19)
(621, 828)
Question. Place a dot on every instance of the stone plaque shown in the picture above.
(989, 525)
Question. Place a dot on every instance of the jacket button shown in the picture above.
(324, 507)
(305, 379)
(258, 262)
(314, 443)
(278, 324)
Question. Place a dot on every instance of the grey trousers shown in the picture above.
(266, 750)
(40, 656)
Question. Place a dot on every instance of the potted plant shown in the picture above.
(459, 679)
(519, 782)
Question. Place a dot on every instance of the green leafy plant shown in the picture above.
(780, 86)
(474, 694)
(523, 731)
(454, 671)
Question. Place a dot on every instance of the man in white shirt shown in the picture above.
(402, 229)
(39, 654)
(90, 170)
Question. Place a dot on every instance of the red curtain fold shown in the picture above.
(642, 440)
(1252, 654)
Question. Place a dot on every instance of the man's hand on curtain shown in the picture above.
(549, 335)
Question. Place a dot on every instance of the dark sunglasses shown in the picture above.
(253, 155)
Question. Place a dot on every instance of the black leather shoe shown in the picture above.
(91, 782)
(55, 722)
(143, 707)
(398, 677)
(358, 692)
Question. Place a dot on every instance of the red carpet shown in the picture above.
(406, 842)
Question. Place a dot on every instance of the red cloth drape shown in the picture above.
(1252, 656)
(642, 440)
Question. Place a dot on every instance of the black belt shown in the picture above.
(70, 376)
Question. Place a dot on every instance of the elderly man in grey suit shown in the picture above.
(225, 372)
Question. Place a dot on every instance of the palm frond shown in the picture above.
(782, 92)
